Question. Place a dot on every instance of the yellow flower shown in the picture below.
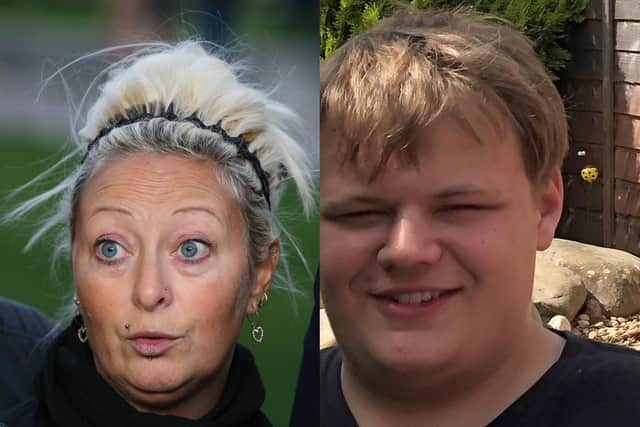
(589, 173)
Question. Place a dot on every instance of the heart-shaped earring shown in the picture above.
(82, 334)
(257, 333)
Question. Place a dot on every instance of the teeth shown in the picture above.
(417, 297)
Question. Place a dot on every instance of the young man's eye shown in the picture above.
(463, 207)
(194, 250)
(109, 251)
(360, 215)
(356, 214)
(361, 218)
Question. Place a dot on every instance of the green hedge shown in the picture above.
(545, 22)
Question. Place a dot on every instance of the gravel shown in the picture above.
(623, 331)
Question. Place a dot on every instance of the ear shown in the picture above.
(549, 198)
(263, 276)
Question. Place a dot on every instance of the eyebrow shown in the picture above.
(462, 190)
(198, 209)
(110, 209)
(177, 211)
(445, 193)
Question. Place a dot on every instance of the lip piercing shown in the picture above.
(126, 326)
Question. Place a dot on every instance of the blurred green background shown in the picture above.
(278, 38)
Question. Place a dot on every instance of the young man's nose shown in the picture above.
(411, 242)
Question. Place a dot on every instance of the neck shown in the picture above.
(473, 394)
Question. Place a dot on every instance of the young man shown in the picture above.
(442, 139)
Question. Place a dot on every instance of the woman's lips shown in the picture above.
(152, 345)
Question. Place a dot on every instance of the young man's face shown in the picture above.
(430, 269)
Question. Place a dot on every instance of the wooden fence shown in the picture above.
(602, 90)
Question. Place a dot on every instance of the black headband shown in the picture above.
(141, 113)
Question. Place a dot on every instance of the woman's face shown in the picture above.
(160, 260)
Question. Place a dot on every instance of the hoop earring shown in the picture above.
(257, 332)
(263, 300)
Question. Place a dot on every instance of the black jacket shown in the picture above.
(306, 406)
(22, 342)
(68, 392)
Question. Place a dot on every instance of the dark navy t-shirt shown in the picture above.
(592, 384)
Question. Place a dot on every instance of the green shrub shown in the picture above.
(545, 22)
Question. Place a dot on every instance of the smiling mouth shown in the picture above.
(416, 298)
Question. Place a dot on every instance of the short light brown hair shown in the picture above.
(383, 87)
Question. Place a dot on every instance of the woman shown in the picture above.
(173, 241)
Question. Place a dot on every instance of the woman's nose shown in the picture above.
(411, 242)
(151, 289)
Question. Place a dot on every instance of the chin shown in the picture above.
(414, 363)
(157, 403)
(158, 380)
(411, 353)
(159, 394)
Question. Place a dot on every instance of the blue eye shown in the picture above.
(189, 249)
(194, 249)
(109, 251)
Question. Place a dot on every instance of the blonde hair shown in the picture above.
(196, 85)
(384, 86)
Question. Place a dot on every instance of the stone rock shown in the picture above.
(633, 332)
(593, 309)
(557, 290)
(560, 323)
(611, 276)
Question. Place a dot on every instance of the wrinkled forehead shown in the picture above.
(351, 145)
(154, 184)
